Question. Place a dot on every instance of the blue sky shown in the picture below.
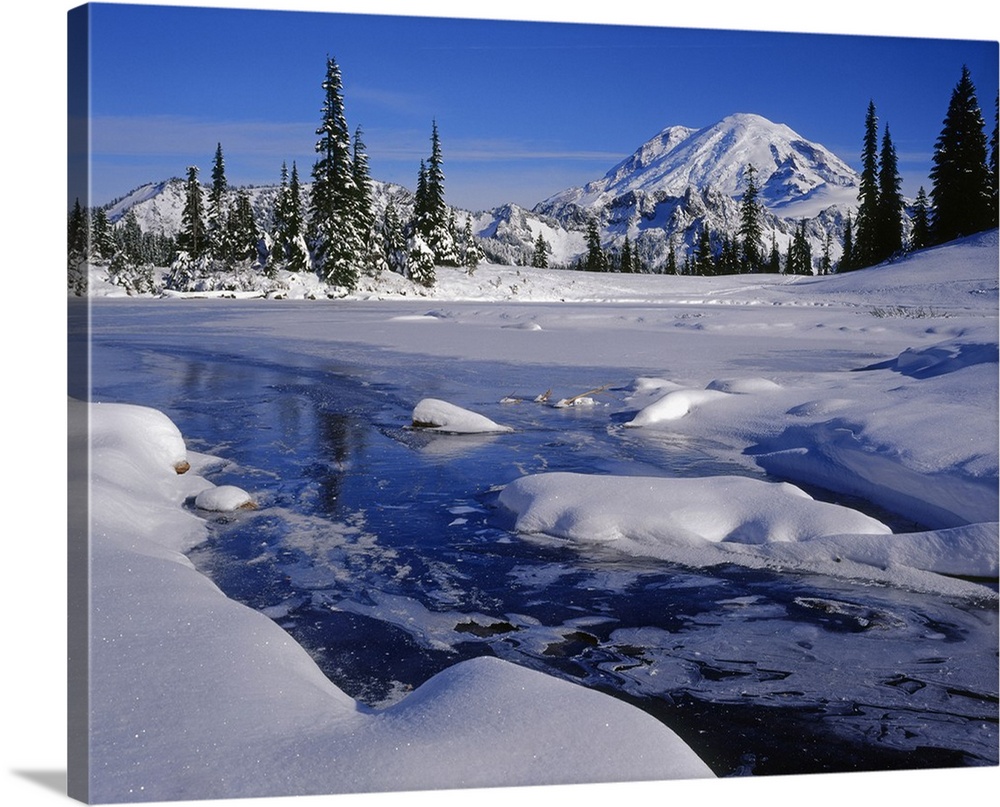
(524, 109)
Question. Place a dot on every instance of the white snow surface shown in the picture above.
(223, 499)
(650, 510)
(196, 696)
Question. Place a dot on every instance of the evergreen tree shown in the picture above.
(78, 234)
(101, 239)
(420, 261)
(243, 236)
(704, 260)
(371, 259)
(471, 253)
(728, 262)
(540, 257)
(431, 217)
(626, 257)
(799, 261)
(921, 236)
(192, 236)
(960, 177)
(774, 260)
(596, 261)
(826, 261)
(866, 234)
(288, 246)
(333, 233)
(420, 205)
(750, 227)
(394, 241)
(279, 223)
(671, 267)
(217, 215)
(890, 202)
(847, 257)
(129, 240)
(994, 172)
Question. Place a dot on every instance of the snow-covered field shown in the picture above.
(880, 386)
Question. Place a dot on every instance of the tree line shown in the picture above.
(331, 228)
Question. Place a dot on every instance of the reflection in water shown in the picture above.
(381, 550)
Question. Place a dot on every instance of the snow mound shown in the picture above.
(154, 442)
(653, 510)
(757, 524)
(437, 415)
(224, 499)
(675, 404)
(743, 386)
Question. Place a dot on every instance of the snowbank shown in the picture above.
(712, 520)
(653, 510)
(195, 696)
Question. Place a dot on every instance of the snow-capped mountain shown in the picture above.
(790, 170)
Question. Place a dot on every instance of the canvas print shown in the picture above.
(462, 403)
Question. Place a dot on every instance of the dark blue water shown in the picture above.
(382, 551)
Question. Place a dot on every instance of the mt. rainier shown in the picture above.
(789, 168)
(684, 178)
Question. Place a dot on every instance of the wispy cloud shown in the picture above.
(167, 135)
(411, 146)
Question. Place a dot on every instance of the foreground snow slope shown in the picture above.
(196, 696)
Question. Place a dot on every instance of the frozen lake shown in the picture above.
(382, 550)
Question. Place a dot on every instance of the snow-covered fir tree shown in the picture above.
(371, 259)
(334, 238)
(243, 237)
(102, 241)
(472, 253)
(540, 255)
(192, 238)
(217, 215)
(420, 261)
(750, 224)
(394, 241)
(288, 246)
(432, 220)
